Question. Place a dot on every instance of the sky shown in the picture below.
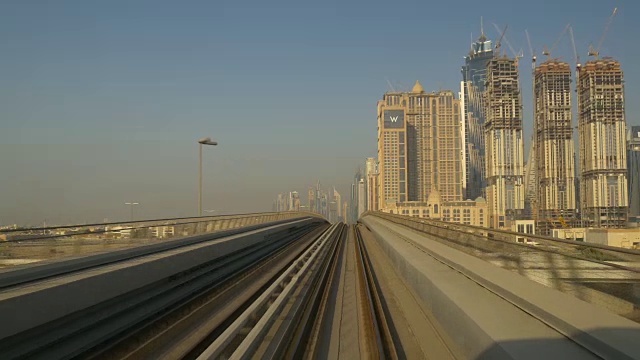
(102, 102)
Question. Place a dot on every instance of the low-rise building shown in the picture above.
(162, 232)
(524, 227)
(625, 238)
(575, 234)
(466, 212)
(120, 232)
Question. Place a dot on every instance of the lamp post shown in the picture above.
(131, 204)
(204, 141)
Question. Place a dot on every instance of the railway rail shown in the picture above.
(260, 300)
(377, 322)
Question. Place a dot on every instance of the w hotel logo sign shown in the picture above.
(394, 119)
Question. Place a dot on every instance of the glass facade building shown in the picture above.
(633, 167)
(474, 74)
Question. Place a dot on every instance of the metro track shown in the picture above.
(93, 332)
(184, 331)
(379, 330)
(269, 300)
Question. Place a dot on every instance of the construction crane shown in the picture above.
(390, 86)
(499, 42)
(547, 51)
(563, 222)
(518, 55)
(576, 57)
(533, 55)
(596, 52)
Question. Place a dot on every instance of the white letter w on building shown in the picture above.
(393, 118)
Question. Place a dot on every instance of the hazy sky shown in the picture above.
(102, 102)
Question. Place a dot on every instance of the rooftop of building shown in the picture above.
(553, 65)
(417, 88)
(605, 63)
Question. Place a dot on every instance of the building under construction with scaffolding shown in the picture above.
(553, 147)
(504, 147)
(602, 144)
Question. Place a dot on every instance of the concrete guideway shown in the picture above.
(273, 326)
(342, 332)
(416, 333)
(20, 248)
(303, 289)
(75, 312)
(605, 276)
(488, 311)
(353, 324)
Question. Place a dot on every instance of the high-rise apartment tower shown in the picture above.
(633, 169)
(554, 147)
(603, 146)
(419, 146)
(504, 145)
(474, 75)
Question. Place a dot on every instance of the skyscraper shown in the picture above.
(312, 200)
(318, 200)
(353, 201)
(281, 203)
(372, 184)
(633, 169)
(324, 204)
(361, 198)
(603, 149)
(345, 211)
(295, 201)
(504, 146)
(554, 147)
(474, 74)
(419, 146)
(338, 200)
(392, 149)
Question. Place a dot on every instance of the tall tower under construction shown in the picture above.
(554, 147)
(474, 75)
(602, 140)
(504, 145)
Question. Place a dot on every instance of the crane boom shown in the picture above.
(499, 42)
(576, 57)
(560, 37)
(529, 42)
(513, 51)
(606, 28)
(533, 56)
(596, 52)
(547, 51)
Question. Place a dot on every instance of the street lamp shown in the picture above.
(131, 204)
(204, 141)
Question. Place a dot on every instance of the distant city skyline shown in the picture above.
(103, 103)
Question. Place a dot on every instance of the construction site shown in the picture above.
(554, 147)
(602, 144)
(504, 142)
